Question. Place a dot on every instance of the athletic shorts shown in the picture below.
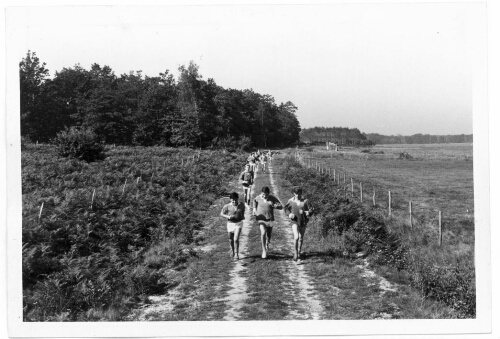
(231, 226)
(303, 227)
(266, 223)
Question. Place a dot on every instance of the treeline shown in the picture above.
(340, 135)
(418, 138)
(132, 109)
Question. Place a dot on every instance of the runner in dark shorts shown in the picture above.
(299, 210)
(234, 212)
(263, 211)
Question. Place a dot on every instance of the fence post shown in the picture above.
(123, 190)
(374, 197)
(440, 230)
(361, 191)
(390, 204)
(344, 177)
(411, 221)
(92, 202)
(41, 209)
(352, 187)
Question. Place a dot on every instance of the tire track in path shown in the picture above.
(308, 300)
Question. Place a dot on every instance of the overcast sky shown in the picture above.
(382, 68)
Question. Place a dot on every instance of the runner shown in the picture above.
(234, 212)
(246, 179)
(263, 161)
(299, 210)
(263, 211)
(252, 165)
(257, 160)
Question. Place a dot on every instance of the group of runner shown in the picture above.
(262, 158)
(299, 210)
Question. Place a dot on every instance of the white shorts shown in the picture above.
(231, 226)
(266, 223)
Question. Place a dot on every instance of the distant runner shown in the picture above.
(299, 210)
(246, 179)
(263, 211)
(270, 157)
(263, 162)
(234, 212)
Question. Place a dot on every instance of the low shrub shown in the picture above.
(79, 143)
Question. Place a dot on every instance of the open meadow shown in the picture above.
(433, 177)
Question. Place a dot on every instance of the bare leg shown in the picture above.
(269, 231)
(302, 230)
(231, 242)
(237, 232)
(295, 230)
(263, 236)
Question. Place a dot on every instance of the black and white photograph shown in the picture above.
(249, 169)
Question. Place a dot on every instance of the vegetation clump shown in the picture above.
(108, 232)
(405, 156)
(79, 143)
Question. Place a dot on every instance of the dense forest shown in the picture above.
(352, 136)
(132, 109)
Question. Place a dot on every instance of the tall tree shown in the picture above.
(32, 75)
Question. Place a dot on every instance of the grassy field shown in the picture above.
(437, 178)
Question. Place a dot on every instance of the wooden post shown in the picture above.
(411, 221)
(41, 209)
(137, 180)
(123, 190)
(390, 212)
(361, 191)
(344, 177)
(92, 202)
(374, 197)
(440, 230)
(352, 187)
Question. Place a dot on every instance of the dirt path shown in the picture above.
(237, 295)
(307, 298)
